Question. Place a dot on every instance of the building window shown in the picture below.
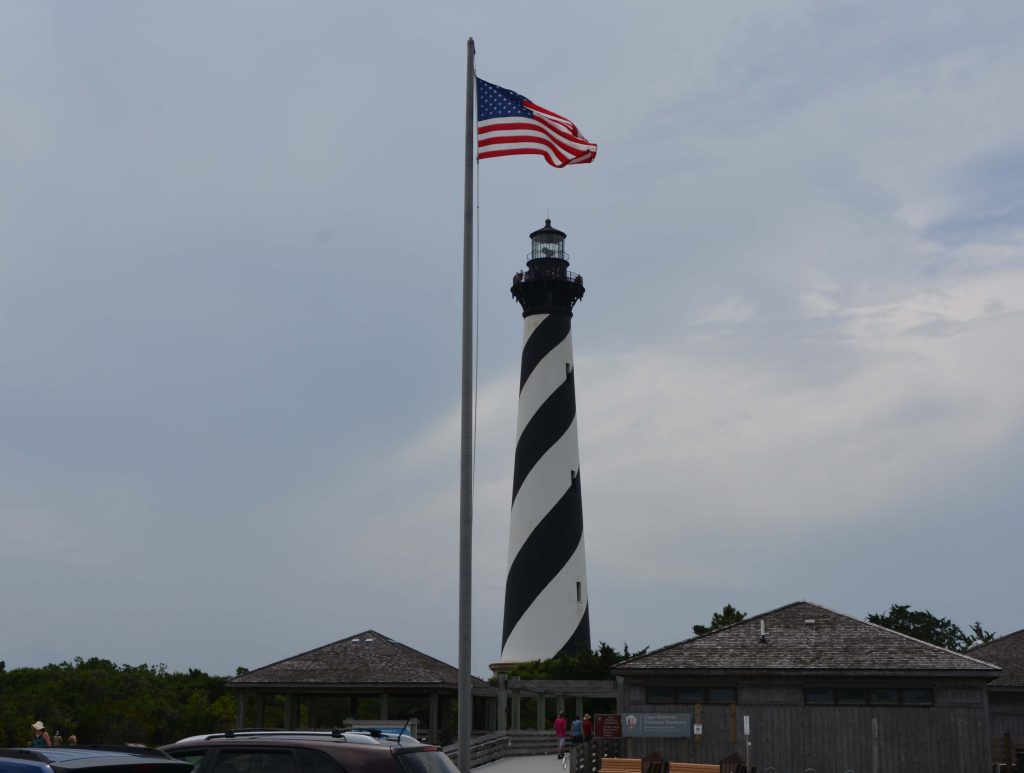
(689, 695)
(819, 696)
(863, 696)
(880, 696)
(660, 695)
(721, 695)
(916, 697)
(851, 696)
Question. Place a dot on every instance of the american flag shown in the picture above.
(509, 124)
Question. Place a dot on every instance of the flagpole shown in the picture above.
(466, 465)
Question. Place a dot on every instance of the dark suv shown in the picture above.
(309, 752)
(89, 759)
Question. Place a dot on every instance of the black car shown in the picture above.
(309, 752)
(89, 759)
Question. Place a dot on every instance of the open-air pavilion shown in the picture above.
(367, 678)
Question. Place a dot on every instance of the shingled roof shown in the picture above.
(804, 636)
(1007, 652)
(367, 658)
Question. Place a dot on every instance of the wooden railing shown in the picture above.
(584, 758)
(482, 749)
(495, 746)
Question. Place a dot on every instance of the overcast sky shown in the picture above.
(230, 288)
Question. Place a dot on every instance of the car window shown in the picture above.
(192, 756)
(312, 761)
(416, 761)
(16, 766)
(255, 761)
(129, 766)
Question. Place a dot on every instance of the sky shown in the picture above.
(230, 317)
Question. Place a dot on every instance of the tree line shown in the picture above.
(103, 703)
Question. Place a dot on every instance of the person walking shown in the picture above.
(577, 730)
(588, 728)
(39, 735)
(560, 729)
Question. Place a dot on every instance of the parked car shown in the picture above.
(354, 751)
(89, 759)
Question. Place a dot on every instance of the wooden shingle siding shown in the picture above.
(839, 738)
(1006, 714)
(807, 646)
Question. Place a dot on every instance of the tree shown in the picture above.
(105, 703)
(923, 625)
(981, 636)
(728, 616)
(596, 664)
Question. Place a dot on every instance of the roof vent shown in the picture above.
(764, 638)
(810, 621)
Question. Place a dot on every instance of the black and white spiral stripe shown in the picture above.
(546, 589)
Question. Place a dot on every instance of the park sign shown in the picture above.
(644, 725)
(608, 726)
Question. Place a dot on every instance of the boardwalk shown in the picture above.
(544, 763)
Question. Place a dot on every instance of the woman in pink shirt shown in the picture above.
(560, 733)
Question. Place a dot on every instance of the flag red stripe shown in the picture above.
(525, 131)
(539, 124)
(552, 114)
(529, 131)
(498, 145)
(523, 151)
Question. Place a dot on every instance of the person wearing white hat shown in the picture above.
(40, 737)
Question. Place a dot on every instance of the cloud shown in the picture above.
(229, 313)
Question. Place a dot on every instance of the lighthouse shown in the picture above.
(546, 611)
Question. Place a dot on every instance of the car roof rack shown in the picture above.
(258, 731)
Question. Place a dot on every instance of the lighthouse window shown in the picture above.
(547, 250)
(579, 593)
